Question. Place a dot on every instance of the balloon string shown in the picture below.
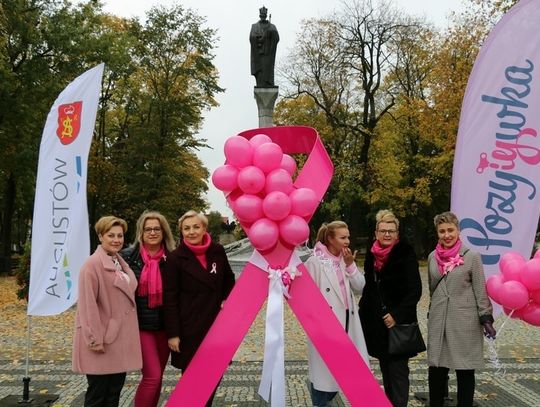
(493, 357)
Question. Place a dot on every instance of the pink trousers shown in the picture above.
(155, 353)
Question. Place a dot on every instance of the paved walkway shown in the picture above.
(515, 383)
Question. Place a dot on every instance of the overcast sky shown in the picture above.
(237, 110)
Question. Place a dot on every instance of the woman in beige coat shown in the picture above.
(106, 342)
(459, 314)
(333, 269)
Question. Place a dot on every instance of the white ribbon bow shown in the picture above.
(273, 372)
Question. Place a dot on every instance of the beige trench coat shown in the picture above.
(459, 306)
(327, 281)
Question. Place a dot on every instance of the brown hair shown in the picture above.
(168, 239)
(328, 230)
(105, 223)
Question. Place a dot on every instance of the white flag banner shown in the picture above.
(60, 234)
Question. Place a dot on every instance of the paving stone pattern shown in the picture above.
(515, 383)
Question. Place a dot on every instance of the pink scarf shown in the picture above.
(448, 259)
(150, 282)
(336, 264)
(200, 249)
(381, 254)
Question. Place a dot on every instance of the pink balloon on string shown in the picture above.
(294, 230)
(267, 157)
(225, 177)
(288, 164)
(248, 208)
(303, 202)
(535, 296)
(530, 275)
(279, 180)
(263, 234)
(276, 205)
(238, 151)
(251, 180)
(531, 314)
(511, 264)
(493, 286)
(513, 295)
(515, 315)
(259, 139)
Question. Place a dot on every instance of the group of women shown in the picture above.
(138, 305)
(152, 300)
(460, 312)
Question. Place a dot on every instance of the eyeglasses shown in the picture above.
(386, 232)
(152, 230)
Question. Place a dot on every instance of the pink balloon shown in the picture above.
(535, 296)
(225, 178)
(263, 234)
(531, 314)
(267, 157)
(513, 295)
(248, 208)
(251, 180)
(259, 139)
(294, 230)
(238, 151)
(511, 265)
(276, 205)
(493, 286)
(517, 314)
(288, 164)
(303, 202)
(530, 275)
(279, 180)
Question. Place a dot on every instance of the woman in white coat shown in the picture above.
(333, 269)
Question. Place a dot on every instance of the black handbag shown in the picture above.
(405, 339)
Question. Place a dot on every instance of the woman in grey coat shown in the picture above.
(459, 314)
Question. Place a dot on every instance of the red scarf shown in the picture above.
(150, 282)
(381, 254)
(448, 259)
(200, 249)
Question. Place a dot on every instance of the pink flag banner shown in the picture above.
(303, 296)
(496, 174)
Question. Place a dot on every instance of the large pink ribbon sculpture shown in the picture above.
(274, 213)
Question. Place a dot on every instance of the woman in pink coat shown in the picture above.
(106, 343)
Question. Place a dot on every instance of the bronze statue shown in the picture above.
(263, 39)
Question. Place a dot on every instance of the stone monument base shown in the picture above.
(266, 98)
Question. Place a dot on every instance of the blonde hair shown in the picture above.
(328, 230)
(386, 216)
(105, 223)
(168, 239)
(445, 217)
(191, 214)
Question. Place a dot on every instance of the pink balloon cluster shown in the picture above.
(257, 180)
(517, 287)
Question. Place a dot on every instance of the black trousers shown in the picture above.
(395, 374)
(438, 386)
(104, 390)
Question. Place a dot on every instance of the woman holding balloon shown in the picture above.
(460, 313)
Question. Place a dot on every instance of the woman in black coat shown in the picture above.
(197, 280)
(393, 289)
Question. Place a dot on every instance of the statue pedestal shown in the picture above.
(266, 98)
